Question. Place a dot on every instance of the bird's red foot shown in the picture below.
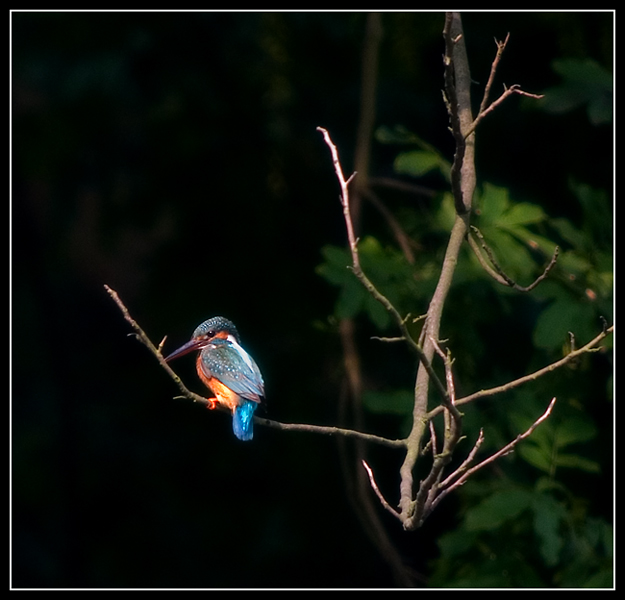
(212, 403)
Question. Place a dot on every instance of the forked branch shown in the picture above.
(366, 282)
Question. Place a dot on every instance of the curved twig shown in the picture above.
(378, 493)
(453, 481)
(359, 273)
(497, 273)
(591, 346)
(186, 393)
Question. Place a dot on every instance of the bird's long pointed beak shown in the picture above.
(194, 344)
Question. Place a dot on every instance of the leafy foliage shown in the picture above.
(174, 156)
(584, 83)
(386, 268)
(558, 541)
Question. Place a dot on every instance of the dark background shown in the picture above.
(174, 157)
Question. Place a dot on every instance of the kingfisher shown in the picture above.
(228, 371)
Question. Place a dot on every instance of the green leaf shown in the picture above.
(562, 316)
(334, 269)
(548, 518)
(456, 542)
(394, 135)
(598, 211)
(583, 82)
(574, 263)
(573, 461)
(523, 213)
(498, 508)
(492, 203)
(417, 163)
(574, 430)
(446, 213)
(568, 231)
(536, 455)
(351, 298)
(388, 270)
(584, 71)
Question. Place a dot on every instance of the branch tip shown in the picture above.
(381, 498)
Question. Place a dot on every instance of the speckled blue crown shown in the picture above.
(214, 325)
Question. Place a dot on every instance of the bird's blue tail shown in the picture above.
(243, 420)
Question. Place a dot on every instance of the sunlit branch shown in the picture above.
(591, 346)
(460, 476)
(186, 393)
(359, 273)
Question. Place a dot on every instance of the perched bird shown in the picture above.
(228, 371)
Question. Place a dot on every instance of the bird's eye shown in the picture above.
(210, 334)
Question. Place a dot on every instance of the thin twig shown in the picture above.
(186, 393)
(465, 463)
(485, 108)
(591, 346)
(428, 489)
(375, 488)
(499, 275)
(432, 439)
(145, 340)
(502, 452)
(359, 273)
(508, 91)
(451, 389)
(501, 46)
(344, 183)
(331, 431)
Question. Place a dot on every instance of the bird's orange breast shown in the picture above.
(222, 392)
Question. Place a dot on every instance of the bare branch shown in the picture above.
(497, 272)
(451, 405)
(501, 46)
(452, 20)
(378, 493)
(502, 452)
(589, 347)
(359, 273)
(186, 393)
(428, 488)
(331, 431)
(508, 91)
(145, 340)
(463, 181)
(465, 464)
(344, 195)
(485, 108)
(388, 339)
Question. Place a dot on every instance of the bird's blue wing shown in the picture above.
(235, 368)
